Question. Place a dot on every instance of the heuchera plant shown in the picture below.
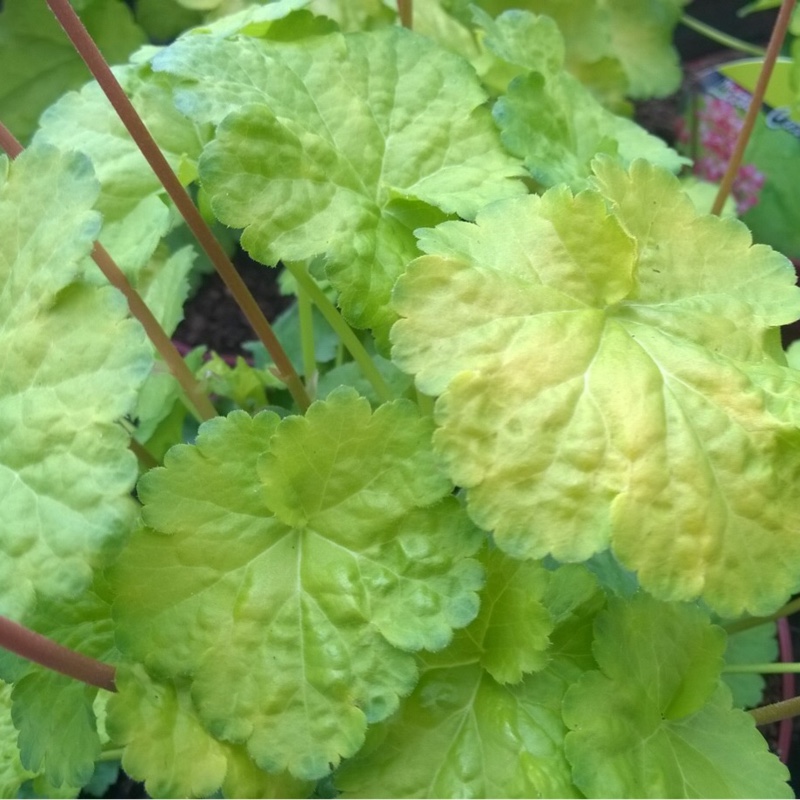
(515, 515)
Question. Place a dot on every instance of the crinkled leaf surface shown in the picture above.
(650, 723)
(167, 746)
(461, 733)
(292, 559)
(549, 119)
(71, 364)
(603, 380)
(38, 63)
(340, 146)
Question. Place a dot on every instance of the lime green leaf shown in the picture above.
(549, 119)
(301, 115)
(651, 724)
(751, 646)
(468, 735)
(604, 381)
(296, 554)
(167, 746)
(12, 773)
(38, 63)
(513, 625)
(71, 365)
(58, 729)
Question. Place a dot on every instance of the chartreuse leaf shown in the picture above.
(652, 721)
(548, 118)
(12, 773)
(168, 747)
(38, 63)
(340, 146)
(291, 559)
(465, 733)
(604, 382)
(55, 715)
(71, 364)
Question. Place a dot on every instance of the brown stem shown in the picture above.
(35, 647)
(775, 712)
(91, 55)
(116, 277)
(405, 8)
(773, 50)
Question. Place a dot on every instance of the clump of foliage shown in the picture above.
(516, 528)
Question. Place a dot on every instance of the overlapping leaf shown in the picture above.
(71, 364)
(650, 722)
(548, 118)
(340, 146)
(462, 733)
(293, 559)
(605, 381)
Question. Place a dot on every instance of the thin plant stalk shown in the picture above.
(767, 668)
(773, 50)
(197, 400)
(775, 712)
(405, 9)
(99, 68)
(304, 312)
(720, 37)
(787, 610)
(345, 333)
(35, 647)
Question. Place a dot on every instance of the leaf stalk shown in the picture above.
(35, 647)
(773, 50)
(89, 52)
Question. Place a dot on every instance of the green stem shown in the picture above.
(197, 400)
(345, 333)
(405, 8)
(99, 68)
(775, 712)
(771, 668)
(754, 622)
(35, 647)
(773, 50)
(304, 309)
(722, 38)
(114, 754)
(425, 403)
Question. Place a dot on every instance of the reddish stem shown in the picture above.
(773, 50)
(405, 9)
(91, 55)
(35, 647)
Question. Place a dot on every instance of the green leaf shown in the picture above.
(167, 746)
(55, 715)
(71, 365)
(38, 63)
(329, 142)
(12, 773)
(605, 379)
(751, 646)
(293, 558)
(650, 722)
(549, 119)
(467, 734)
